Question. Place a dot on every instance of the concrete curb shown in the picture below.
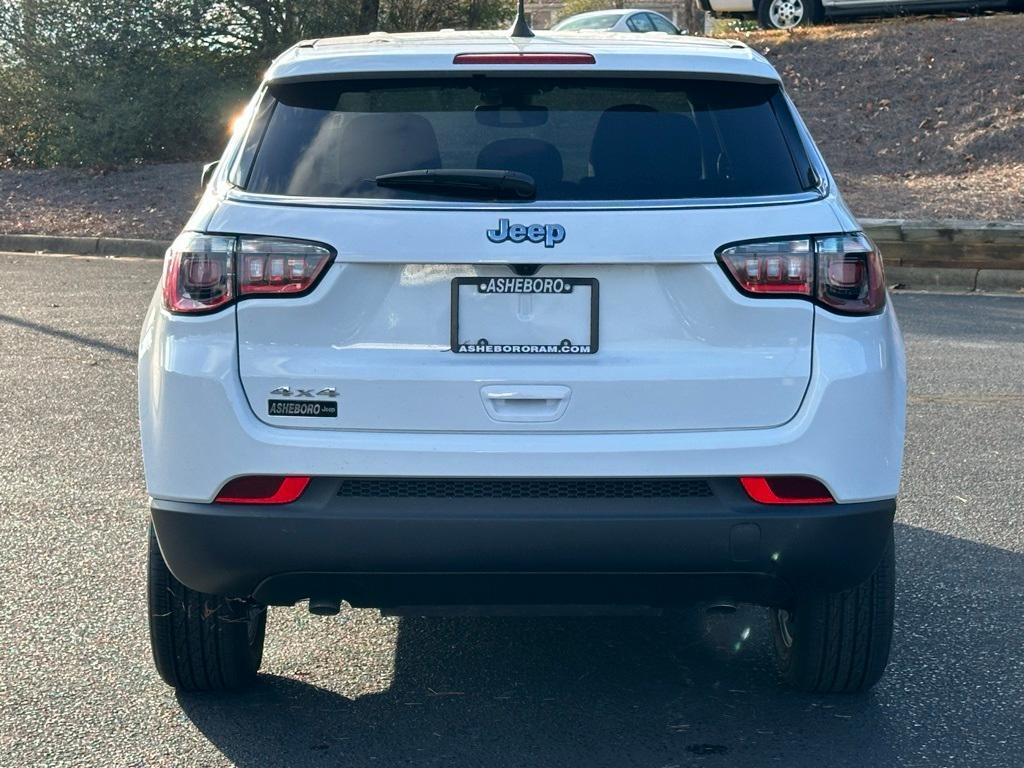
(951, 255)
(84, 246)
(954, 279)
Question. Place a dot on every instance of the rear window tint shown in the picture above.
(588, 139)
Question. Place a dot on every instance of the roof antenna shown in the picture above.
(521, 28)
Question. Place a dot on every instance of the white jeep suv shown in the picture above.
(471, 320)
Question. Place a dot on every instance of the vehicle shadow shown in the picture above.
(75, 338)
(692, 689)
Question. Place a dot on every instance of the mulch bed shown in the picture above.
(917, 118)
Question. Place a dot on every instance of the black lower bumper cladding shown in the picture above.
(383, 542)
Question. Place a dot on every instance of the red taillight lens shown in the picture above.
(781, 267)
(525, 58)
(263, 489)
(200, 270)
(199, 273)
(269, 266)
(786, 490)
(840, 272)
(850, 275)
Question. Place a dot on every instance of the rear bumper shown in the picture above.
(389, 552)
(198, 431)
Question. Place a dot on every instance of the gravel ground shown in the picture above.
(918, 118)
(143, 201)
(77, 686)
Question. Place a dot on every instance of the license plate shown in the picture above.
(524, 315)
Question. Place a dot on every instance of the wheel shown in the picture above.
(201, 642)
(786, 14)
(838, 643)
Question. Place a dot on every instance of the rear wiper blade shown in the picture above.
(497, 185)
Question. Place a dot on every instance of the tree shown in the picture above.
(425, 15)
(105, 82)
(263, 28)
(369, 16)
(102, 82)
(691, 18)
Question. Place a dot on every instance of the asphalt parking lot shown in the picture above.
(77, 686)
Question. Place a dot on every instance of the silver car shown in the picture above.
(621, 20)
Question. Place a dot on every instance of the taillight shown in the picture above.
(542, 59)
(205, 273)
(786, 490)
(263, 489)
(842, 273)
(850, 275)
(780, 267)
(278, 266)
(199, 273)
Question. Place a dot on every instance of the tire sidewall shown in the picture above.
(799, 667)
(201, 642)
(816, 622)
(812, 12)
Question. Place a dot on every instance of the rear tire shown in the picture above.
(788, 14)
(201, 642)
(839, 643)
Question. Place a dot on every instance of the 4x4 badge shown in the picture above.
(289, 392)
(549, 234)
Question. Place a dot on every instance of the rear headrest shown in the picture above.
(533, 157)
(385, 142)
(656, 152)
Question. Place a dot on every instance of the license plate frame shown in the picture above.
(556, 348)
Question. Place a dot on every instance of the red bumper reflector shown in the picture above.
(786, 490)
(263, 489)
(525, 58)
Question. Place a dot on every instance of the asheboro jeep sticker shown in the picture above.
(565, 348)
(314, 408)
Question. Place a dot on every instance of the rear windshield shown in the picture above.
(588, 139)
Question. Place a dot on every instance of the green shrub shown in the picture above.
(110, 82)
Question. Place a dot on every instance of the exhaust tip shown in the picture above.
(324, 607)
